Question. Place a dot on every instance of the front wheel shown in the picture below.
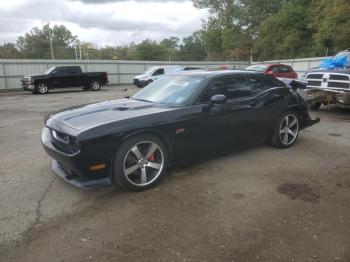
(140, 162)
(286, 131)
(41, 88)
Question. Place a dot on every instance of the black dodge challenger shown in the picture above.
(188, 115)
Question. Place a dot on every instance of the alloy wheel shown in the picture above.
(95, 85)
(143, 163)
(289, 129)
(42, 88)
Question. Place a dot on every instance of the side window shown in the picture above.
(71, 70)
(256, 84)
(218, 86)
(231, 87)
(283, 69)
(239, 87)
(59, 71)
(271, 82)
(273, 69)
(158, 72)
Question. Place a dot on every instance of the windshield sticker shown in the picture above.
(181, 83)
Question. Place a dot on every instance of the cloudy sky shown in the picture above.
(104, 22)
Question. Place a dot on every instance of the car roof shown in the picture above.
(211, 74)
(266, 64)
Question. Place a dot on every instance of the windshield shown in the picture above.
(170, 90)
(149, 71)
(48, 71)
(259, 68)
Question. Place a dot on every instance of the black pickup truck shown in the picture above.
(62, 77)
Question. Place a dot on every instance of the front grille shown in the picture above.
(338, 85)
(339, 77)
(314, 83)
(315, 76)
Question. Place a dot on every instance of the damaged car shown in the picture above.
(330, 82)
(183, 116)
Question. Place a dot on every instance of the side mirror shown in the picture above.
(215, 100)
(218, 99)
(270, 72)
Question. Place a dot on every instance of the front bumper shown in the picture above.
(140, 83)
(76, 180)
(26, 87)
(329, 96)
(73, 168)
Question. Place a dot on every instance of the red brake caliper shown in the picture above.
(152, 158)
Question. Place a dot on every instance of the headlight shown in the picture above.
(29, 80)
(66, 143)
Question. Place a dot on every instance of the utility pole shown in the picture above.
(76, 51)
(51, 47)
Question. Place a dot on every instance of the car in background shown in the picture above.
(156, 72)
(63, 77)
(330, 82)
(181, 117)
(276, 70)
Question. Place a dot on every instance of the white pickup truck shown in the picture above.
(330, 83)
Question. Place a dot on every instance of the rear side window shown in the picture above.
(73, 70)
(271, 82)
(158, 72)
(284, 69)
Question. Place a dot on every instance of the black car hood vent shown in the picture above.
(121, 108)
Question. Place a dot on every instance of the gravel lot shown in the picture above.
(261, 204)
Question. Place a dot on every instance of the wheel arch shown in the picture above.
(153, 132)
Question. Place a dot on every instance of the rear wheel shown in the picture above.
(140, 162)
(95, 86)
(286, 131)
(41, 88)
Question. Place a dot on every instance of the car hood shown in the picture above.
(140, 76)
(92, 115)
(36, 76)
(323, 70)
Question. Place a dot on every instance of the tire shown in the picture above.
(95, 86)
(86, 88)
(286, 131)
(132, 169)
(148, 82)
(41, 88)
(314, 106)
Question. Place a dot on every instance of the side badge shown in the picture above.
(180, 131)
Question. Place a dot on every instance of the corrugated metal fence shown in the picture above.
(120, 72)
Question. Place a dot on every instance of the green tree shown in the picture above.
(192, 48)
(150, 50)
(9, 51)
(331, 24)
(36, 43)
(286, 34)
